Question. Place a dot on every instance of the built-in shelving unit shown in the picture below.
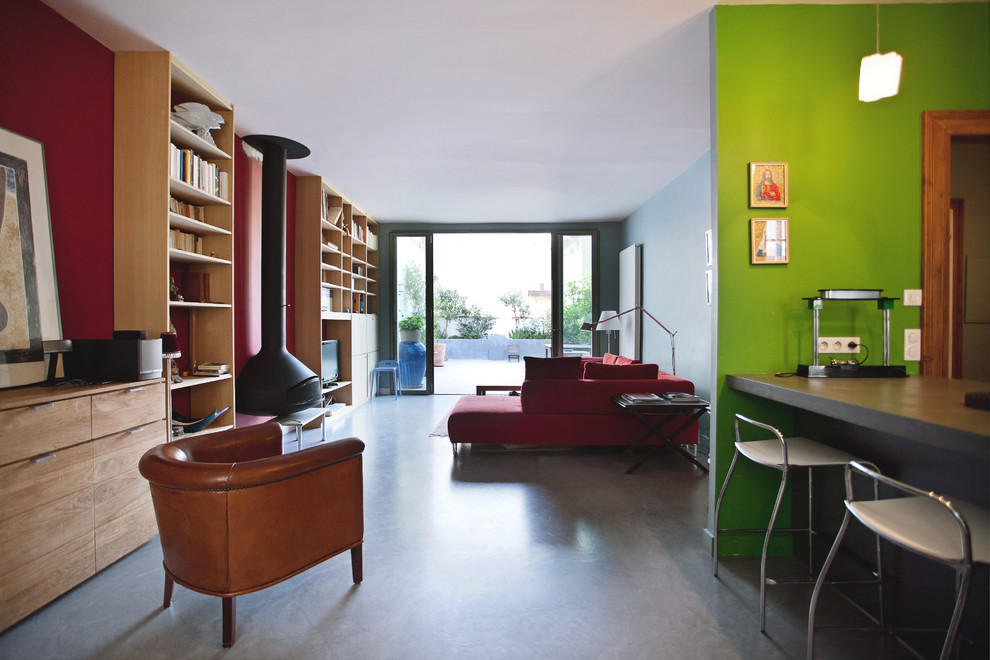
(336, 282)
(173, 224)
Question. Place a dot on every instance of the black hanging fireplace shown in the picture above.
(275, 382)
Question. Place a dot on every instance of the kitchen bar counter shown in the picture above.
(915, 429)
(926, 409)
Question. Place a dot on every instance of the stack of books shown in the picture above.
(211, 369)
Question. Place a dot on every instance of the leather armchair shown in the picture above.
(235, 515)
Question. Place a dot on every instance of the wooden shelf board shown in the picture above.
(183, 137)
(195, 381)
(328, 225)
(184, 257)
(179, 221)
(189, 84)
(328, 248)
(337, 385)
(206, 305)
(328, 267)
(208, 430)
(191, 193)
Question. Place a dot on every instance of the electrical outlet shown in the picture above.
(912, 297)
(912, 345)
(837, 344)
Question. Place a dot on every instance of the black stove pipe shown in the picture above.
(275, 382)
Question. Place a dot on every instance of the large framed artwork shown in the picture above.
(28, 294)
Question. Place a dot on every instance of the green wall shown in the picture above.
(786, 90)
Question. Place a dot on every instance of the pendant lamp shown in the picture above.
(879, 75)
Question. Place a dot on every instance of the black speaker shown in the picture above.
(114, 359)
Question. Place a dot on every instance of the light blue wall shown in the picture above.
(671, 227)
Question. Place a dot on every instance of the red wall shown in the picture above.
(56, 87)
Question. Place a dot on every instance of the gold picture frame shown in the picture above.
(768, 182)
(769, 241)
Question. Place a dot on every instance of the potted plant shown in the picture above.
(412, 352)
(411, 327)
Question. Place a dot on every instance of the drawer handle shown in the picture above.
(43, 459)
(139, 429)
(134, 389)
(42, 406)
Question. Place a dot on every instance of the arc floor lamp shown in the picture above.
(604, 323)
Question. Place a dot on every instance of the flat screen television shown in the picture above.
(329, 370)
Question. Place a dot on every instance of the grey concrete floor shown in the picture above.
(487, 555)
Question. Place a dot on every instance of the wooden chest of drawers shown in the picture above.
(71, 499)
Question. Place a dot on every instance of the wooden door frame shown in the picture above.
(938, 129)
(958, 286)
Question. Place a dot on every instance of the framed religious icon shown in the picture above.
(28, 296)
(768, 240)
(768, 185)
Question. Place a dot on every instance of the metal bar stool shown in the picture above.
(950, 531)
(782, 454)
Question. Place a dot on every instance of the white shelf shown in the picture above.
(183, 137)
(182, 256)
(191, 193)
(196, 381)
(329, 249)
(179, 221)
(336, 386)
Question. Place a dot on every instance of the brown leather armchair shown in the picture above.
(235, 515)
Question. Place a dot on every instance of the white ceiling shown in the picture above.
(451, 110)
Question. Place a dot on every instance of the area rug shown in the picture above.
(440, 430)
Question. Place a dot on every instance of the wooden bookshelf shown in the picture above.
(147, 86)
(336, 282)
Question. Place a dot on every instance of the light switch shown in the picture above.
(912, 297)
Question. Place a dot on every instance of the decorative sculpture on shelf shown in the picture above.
(198, 118)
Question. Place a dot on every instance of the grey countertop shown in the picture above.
(927, 409)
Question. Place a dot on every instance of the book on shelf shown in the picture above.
(196, 287)
(185, 209)
(183, 240)
(189, 167)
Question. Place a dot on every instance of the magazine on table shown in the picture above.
(680, 397)
(644, 397)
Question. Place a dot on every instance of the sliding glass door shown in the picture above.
(412, 268)
(469, 307)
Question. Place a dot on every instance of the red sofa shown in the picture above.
(569, 410)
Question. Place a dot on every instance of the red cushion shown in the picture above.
(621, 371)
(609, 358)
(622, 359)
(556, 368)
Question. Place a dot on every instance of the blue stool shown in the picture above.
(389, 367)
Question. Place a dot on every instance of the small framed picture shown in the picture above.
(768, 185)
(769, 241)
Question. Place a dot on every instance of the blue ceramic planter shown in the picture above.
(412, 363)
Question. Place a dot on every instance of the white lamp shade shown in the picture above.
(611, 323)
(879, 76)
